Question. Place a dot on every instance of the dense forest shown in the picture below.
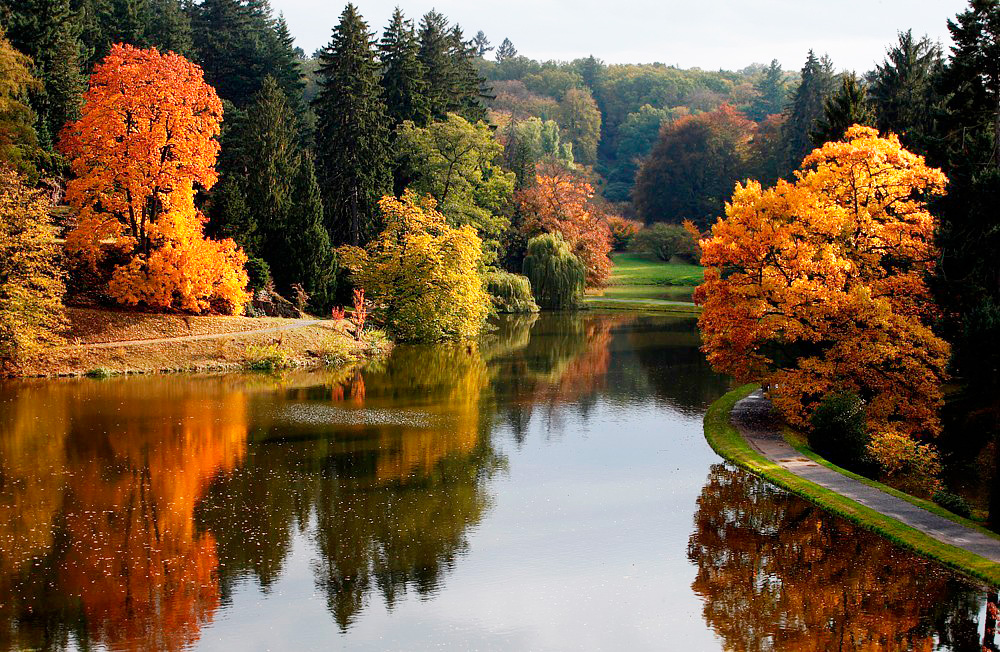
(510, 146)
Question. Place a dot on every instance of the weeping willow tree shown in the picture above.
(511, 293)
(556, 275)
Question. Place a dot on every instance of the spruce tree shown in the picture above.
(848, 106)
(508, 51)
(403, 82)
(468, 92)
(434, 54)
(903, 90)
(307, 255)
(807, 107)
(170, 28)
(771, 93)
(352, 133)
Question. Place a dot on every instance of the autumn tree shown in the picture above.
(18, 139)
(145, 141)
(31, 279)
(458, 163)
(561, 202)
(693, 167)
(820, 285)
(422, 275)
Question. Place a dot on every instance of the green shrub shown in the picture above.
(258, 272)
(268, 357)
(511, 293)
(99, 373)
(555, 274)
(666, 241)
(838, 431)
(953, 503)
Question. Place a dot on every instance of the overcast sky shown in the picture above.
(709, 34)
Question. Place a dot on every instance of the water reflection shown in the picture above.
(136, 513)
(777, 573)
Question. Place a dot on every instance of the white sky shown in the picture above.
(709, 34)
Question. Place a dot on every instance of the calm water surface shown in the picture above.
(548, 489)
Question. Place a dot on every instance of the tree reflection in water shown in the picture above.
(777, 573)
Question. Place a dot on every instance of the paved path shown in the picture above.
(291, 325)
(754, 419)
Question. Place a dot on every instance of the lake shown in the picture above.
(547, 488)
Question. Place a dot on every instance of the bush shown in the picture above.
(838, 431)
(953, 503)
(511, 293)
(666, 241)
(555, 274)
(622, 232)
(258, 273)
(268, 357)
(909, 465)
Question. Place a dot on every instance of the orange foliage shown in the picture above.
(622, 231)
(819, 285)
(560, 202)
(146, 137)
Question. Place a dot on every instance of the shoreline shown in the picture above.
(726, 440)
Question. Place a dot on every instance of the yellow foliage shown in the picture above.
(820, 285)
(422, 275)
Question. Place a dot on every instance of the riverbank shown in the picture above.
(951, 540)
(106, 342)
(640, 282)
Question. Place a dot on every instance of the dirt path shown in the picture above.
(291, 325)
(754, 419)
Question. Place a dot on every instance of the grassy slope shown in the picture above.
(727, 442)
(648, 284)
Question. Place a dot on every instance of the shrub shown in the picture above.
(838, 431)
(622, 232)
(258, 273)
(555, 274)
(511, 293)
(268, 357)
(666, 241)
(953, 503)
(907, 464)
(99, 373)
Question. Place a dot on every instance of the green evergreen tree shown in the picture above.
(507, 51)
(352, 133)
(435, 44)
(469, 91)
(403, 82)
(903, 90)
(170, 27)
(771, 93)
(807, 107)
(848, 106)
(481, 44)
(307, 255)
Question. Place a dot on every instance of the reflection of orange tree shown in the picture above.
(776, 573)
(144, 578)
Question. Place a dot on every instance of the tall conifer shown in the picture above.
(402, 73)
(352, 133)
(807, 107)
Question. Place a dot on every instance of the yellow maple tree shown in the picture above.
(423, 277)
(146, 138)
(819, 285)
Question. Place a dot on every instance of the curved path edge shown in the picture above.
(741, 428)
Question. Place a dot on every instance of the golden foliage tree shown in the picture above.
(820, 285)
(31, 279)
(146, 138)
(560, 202)
(422, 275)
(18, 140)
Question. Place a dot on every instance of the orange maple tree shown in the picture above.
(560, 202)
(147, 137)
(820, 285)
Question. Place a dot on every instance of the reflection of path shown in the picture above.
(753, 418)
(291, 325)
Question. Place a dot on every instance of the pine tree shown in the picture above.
(507, 51)
(468, 92)
(402, 73)
(170, 28)
(352, 134)
(307, 255)
(807, 106)
(434, 55)
(903, 90)
(771, 93)
(481, 44)
(848, 106)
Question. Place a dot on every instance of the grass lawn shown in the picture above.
(648, 283)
